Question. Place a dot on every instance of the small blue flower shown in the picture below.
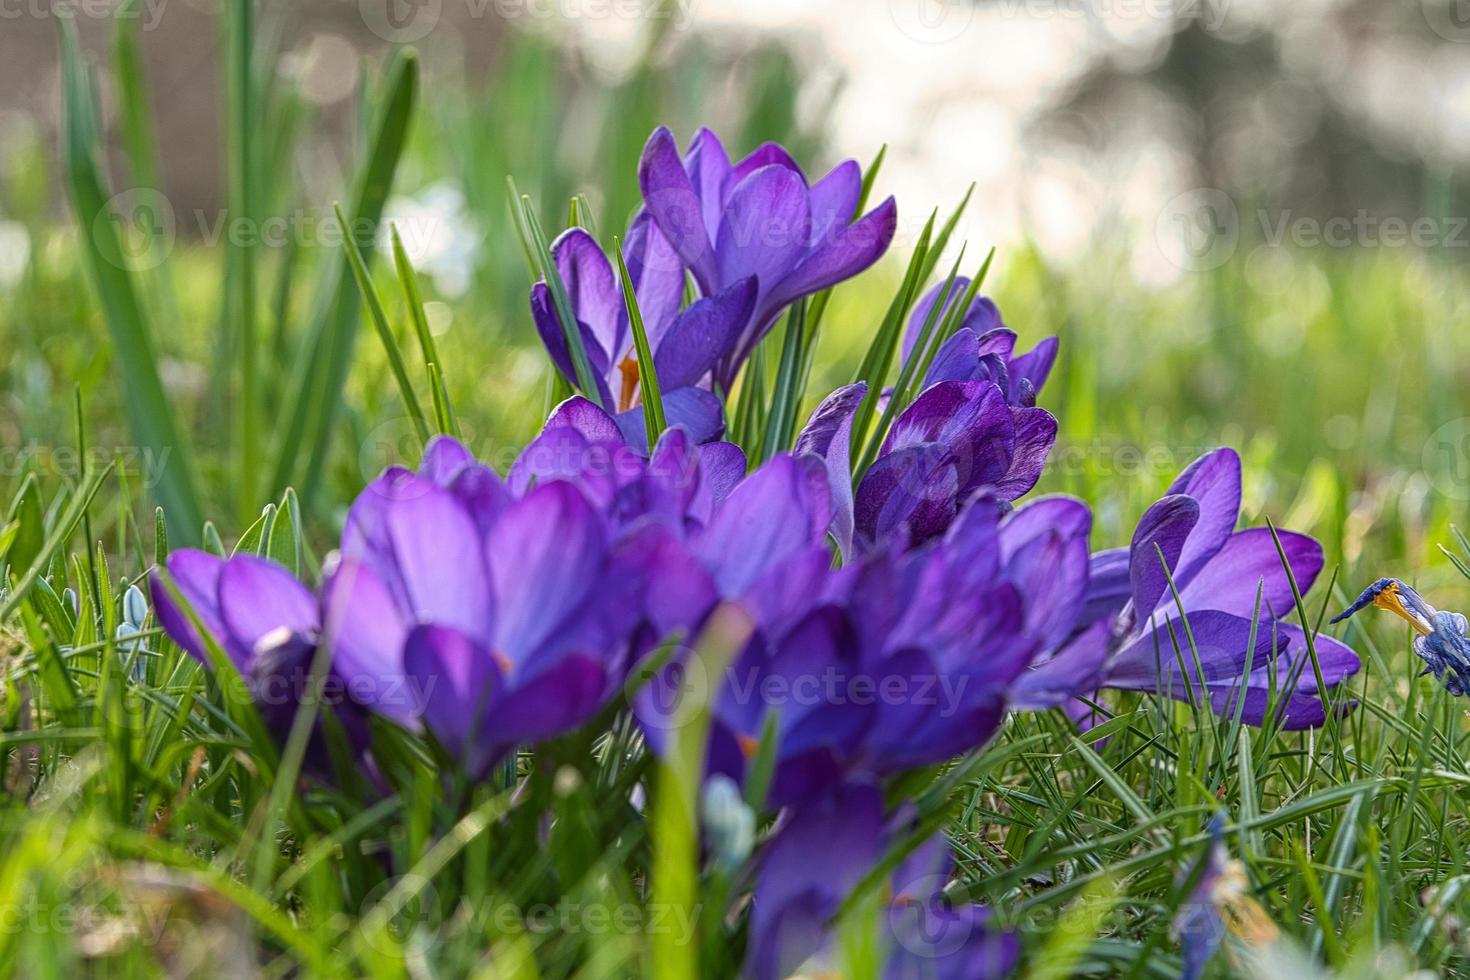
(1442, 643)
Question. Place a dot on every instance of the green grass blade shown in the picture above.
(780, 428)
(151, 415)
(878, 360)
(61, 530)
(317, 388)
(648, 387)
(581, 366)
(240, 255)
(379, 320)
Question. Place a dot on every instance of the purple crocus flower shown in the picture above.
(957, 438)
(1128, 630)
(899, 659)
(581, 444)
(759, 217)
(685, 345)
(497, 617)
(1199, 925)
(1439, 637)
(982, 348)
(821, 854)
(268, 625)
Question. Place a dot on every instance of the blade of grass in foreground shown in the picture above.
(60, 531)
(380, 323)
(150, 413)
(675, 875)
(239, 296)
(316, 391)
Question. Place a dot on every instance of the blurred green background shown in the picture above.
(1200, 198)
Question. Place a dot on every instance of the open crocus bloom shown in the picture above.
(685, 345)
(899, 659)
(810, 869)
(1129, 634)
(982, 348)
(678, 481)
(1440, 637)
(759, 217)
(268, 625)
(957, 438)
(498, 628)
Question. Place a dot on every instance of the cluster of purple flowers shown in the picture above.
(491, 612)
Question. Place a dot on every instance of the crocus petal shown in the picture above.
(1045, 549)
(704, 333)
(259, 597)
(1249, 561)
(700, 412)
(580, 414)
(842, 256)
(767, 155)
(564, 453)
(365, 535)
(593, 290)
(1108, 586)
(1214, 481)
(809, 869)
(440, 561)
(912, 487)
(1036, 433)
(834, 200)
(925, 306)
(483, 494)
(674, 466)
(1076, 668)
(711, 175)
(1164, 528)
(767, 518)
(556, 700)
(545, 554)
(548, 326)
(444, 457)
(1034, 366)
(670, 197)
(456, 681)
(657, 275)
(362, 623)
(722, 466)
(765, 227)
(828, 435)
(196, 575)
(1220, 640)
(957, 360)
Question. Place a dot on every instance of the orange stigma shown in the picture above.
(748, 746)
(502, 661)
(628, 367)
(1392, 600)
